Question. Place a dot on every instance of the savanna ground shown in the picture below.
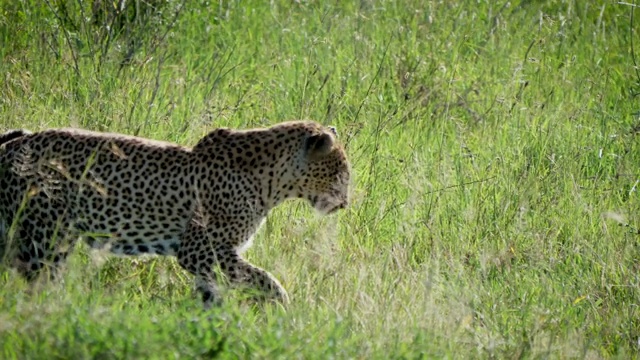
(496, 160)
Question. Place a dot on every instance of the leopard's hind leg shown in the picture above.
(42, 238)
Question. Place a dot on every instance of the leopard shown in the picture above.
(134, 196)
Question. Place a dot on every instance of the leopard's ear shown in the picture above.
(318, 145)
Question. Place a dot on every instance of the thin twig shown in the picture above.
(384, 55)
(106, 40)
(494, 19)
(66, 36)
(458, 185)
(87, 34)
(160, 40)
(154, 93)
(626, 3)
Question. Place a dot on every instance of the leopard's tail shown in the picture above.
(13, 134)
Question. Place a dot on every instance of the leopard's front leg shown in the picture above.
(201, 250)
(197, 256)
(241, 272)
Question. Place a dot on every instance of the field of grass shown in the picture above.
(496, 158)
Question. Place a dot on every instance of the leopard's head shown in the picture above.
(326, 173)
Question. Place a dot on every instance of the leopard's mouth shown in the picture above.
(327, 207)
(336, 208)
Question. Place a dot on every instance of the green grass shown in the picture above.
(495, 155)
